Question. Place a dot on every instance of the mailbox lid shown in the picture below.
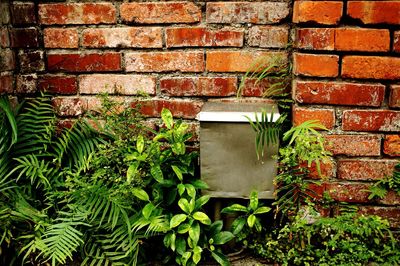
(236, 111)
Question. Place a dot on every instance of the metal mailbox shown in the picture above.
(228, 160)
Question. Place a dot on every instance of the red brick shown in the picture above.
(339, 93)
(371, 67)
(6, 83)
(371, 120)
(394, 98)
(199, 86)
(325, 116)
(368, 40)
(254, 88)
(77, 13)
(7, 60)
(23, 13)
(246, 12)
(316, 65)
(354, 169)
(354, 145)
(239, 61)
(165, 61)
(328, 170)
(179, 108)
(396, 41)
(163, 12)
(200, 36)
(24, 38)
(374, 12)
(26, 84)
(117, 84)
(138, 37)
(4, 38)
(268, 36)
(58, 84)
(348, 192)
(315, 39)
(391, 198)
(61, 38)
(65, 106)
(74, 62)
(31, 61)
(392, 214)
(322, 12)
(391, 145)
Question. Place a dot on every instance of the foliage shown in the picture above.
(381, 187)
(347, 239)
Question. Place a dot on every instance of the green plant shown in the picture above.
(381, 187)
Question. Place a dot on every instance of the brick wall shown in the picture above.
(347, 67)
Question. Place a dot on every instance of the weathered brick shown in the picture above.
(162, 12)
(246, 12)
(327, 170)
(268, 36)
(4, 38)
(7, 60)
(77, 13)
(6, 83)
(201, 36)
(394, 98)
(24, 38)
(117, 84)
(348, 192)
(199, 86)
(239, 61)
(61, 38)
(371, 120)
(391, 145)
(368, 40)
(391, 198)
(371, 67)
(374, 12)
(354, 169)
(392, 214)
(315, 39)
(325, 116)
(396, 41)
(322, 12)
(354, 145)
(339, 93)
(23, 13)
(179, 108)
(4, 11)
(316, 65)
(69, 106)
(31, 61)
(165, 61)
(58, 84)
(26, 84)
(74, 62)
(138, 37)
(255, 88)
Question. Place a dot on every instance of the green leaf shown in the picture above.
(180, 246)
(140, 144)
(147, 210)
(181, 189)
(140, 194)
(199, 184)
(238, 224)
(216, 227)
(254, 200)
(157, 173)
(197, 254)
(185, 206)
(185, 257)
(261, 210)
(251, 220)
(202, 217)
(179, 148)
(223, 237)
(131, 172)
(169, 240)
(183, 228)
(177, 220)
(201, 201)
(190, 190)
(194, 233)
(220, 258)
(178, 172)
(166, 116)
(234, 208)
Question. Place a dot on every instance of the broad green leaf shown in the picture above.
(190, 190)
(216, 227)
(223, 237)
(131, 172)
(185, 206)
(169, 240)
(183, 228)
(197, 254)
(147, 210)
(166, 116)
(140, 194)
(251, 220)
(194, 233)
(181, 189)
(185, 257)
(254, 200)
(180, 246)
(234, 208)
(157, 173)
(262, 210)
(201, 201)
(238, 224)
(199, 184)
(178, 172)
(220, 258)
(179, 148)
(177, 220)
(202, 217)
(140, 144)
